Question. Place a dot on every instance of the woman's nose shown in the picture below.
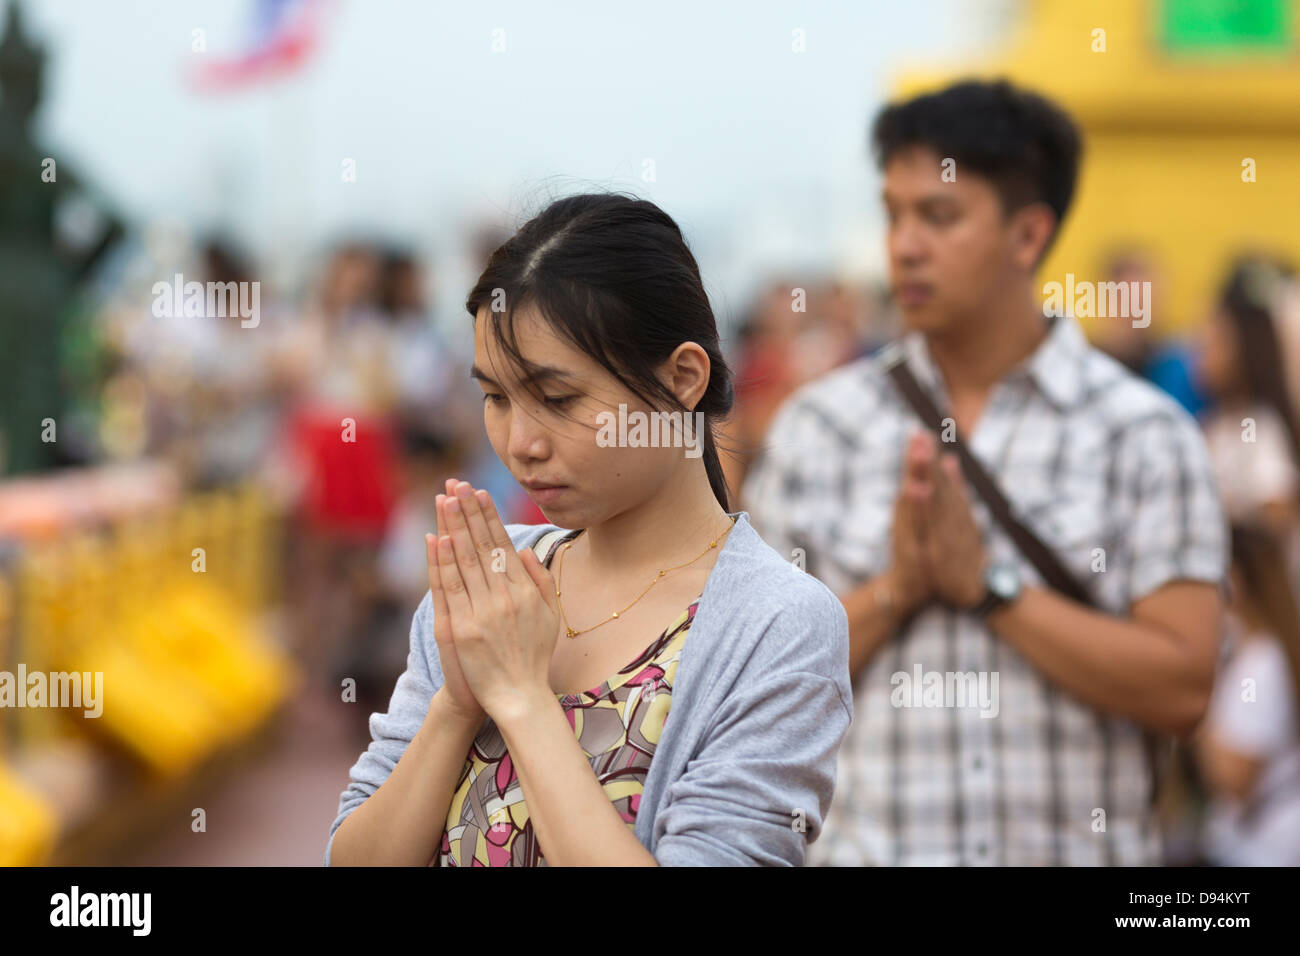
(527, 437)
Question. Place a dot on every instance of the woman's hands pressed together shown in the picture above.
(460, 697)
(495, 613)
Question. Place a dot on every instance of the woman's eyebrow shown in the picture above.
(540, 373)
(476, 374)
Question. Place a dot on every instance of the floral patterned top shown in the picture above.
(618, 725)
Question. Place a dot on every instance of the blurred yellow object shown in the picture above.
(152, 711)
(174, 630)
(45, 612)
(197, 672)
(27, 823)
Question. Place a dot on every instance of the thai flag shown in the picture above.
(283, 34)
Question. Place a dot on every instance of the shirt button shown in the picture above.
(981, 850)
(978, 763)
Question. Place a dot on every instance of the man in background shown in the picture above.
(1048, 761)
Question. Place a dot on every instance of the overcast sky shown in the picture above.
(759, 152)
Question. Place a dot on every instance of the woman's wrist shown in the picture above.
(523, 707)
(443, 709)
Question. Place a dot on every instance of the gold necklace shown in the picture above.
(571, 633)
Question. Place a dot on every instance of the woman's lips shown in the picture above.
(544, 496)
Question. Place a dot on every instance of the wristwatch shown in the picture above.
(1001, 587)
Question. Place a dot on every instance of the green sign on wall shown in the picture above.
(1226, 26)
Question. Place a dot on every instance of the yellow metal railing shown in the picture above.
(168, 608)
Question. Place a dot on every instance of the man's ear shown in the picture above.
(1032, 229)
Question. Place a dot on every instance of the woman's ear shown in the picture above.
(686, 373)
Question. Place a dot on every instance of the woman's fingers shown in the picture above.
(444, 531)
(454, 591)
(441, 615)
(495, 568)
(473, 573)
(500, 537)
(541, 577)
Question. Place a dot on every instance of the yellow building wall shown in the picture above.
(1165, 134)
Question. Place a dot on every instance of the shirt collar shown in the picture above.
(1055, 366)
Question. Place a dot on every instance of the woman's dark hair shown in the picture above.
(612, 275)
(1260, 557)
(1246, 300)
(1024, 144)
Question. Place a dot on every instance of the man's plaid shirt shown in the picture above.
(1109, 472)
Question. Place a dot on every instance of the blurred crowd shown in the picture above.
(1234, 795)
(339, 402)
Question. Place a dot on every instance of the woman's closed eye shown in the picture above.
(555, 401)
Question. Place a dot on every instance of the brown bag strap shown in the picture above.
(1039, 554)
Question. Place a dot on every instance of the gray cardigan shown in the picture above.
(745, 769)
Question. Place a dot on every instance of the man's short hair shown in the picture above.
(1026, 145)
